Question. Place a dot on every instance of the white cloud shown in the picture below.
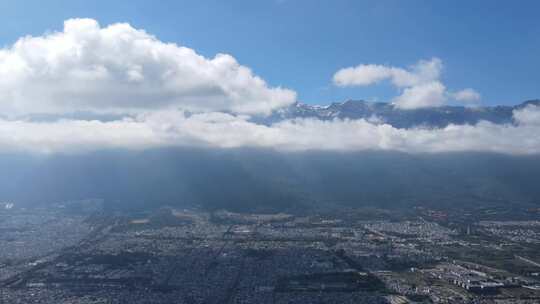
(467, 95)
(362, 75)
(367, 74)
(430, 94)
(529, 115)
(419, 85)
(221, 130)
(121, 69)
(227, 131)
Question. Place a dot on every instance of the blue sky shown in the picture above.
(491, 46)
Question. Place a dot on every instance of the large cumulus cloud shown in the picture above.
(122, 69)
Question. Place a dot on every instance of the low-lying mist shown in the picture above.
(267, 181)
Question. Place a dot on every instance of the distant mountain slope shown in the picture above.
(399, 118)
(244, 179)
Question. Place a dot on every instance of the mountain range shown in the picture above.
(383, 112)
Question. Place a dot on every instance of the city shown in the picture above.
(76, 253)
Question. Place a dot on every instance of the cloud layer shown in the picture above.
(420, 84)
(221, 130)
(166, 95)
(121, 69)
